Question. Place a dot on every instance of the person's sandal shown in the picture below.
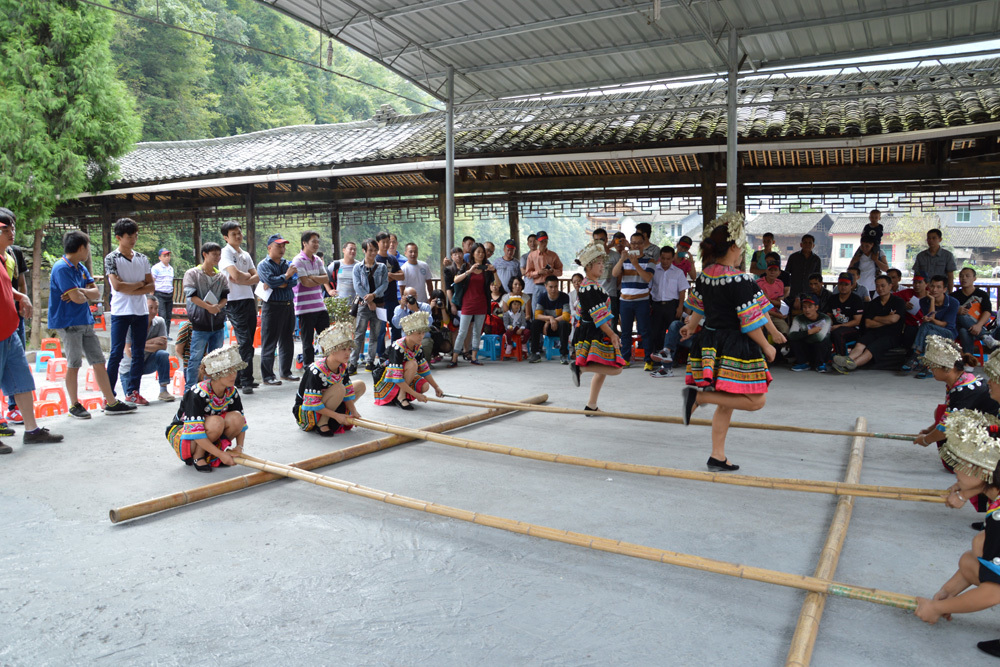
(404, 403)
(587, 408)
(715, 465)
(207, 467)
(476, 362)
(453, 364)
(327, 433)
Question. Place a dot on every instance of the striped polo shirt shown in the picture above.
(634, 288)
(308, 299)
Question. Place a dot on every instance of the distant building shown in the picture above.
(788, 230)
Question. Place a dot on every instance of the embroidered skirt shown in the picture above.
(727, 360)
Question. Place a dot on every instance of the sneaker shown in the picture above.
(662, 372)
(535, 358)
(79, 411)
(370, 366)
(245, 389)
(798, 368)
(663, 356)
(845, 361)
(989, 342)
(908, 365)
(14, 417)
(5, 449)
(627, 364)
(648, 366)
(837, 367)
(922, 372)
(118, 408)
(563, 359)
(5, 430)
(508, 349)
(135, 398)
(167, 397)
(821, 368)
(352, 370)
(40, 436)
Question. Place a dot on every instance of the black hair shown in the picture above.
(467, 238)
(411, 243)
(874, 210)
(773, 255)
(815, 276)
(518, 279)
(369, 243)
(667, 248)
(766, 234)
(393, 236)
(307, 236)
(551, 279)
(472, 253)
(599, 230)
(7, 216)
(73, 240)
(381, 236)
(810, 237)
(454, 250)
(619, 235)
(532, 236)
(645, 229)
(896, 271)
(884, 277)
(938, 279)
(125, 226)
(968, 268)
(715, 246)
(637, 233)
(228, 226)
(347, 243)
(210, 247)
(935, 231)
(319, 253)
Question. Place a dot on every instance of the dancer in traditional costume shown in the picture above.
(974, 452)
(597, 348)
(729, 355)
(406, 376)
(945, 359)
(326, 392)
(209, 423)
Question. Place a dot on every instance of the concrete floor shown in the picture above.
(289, 573)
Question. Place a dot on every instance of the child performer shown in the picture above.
(515, 325)
(326, 391)
(596, 347)
(406, 375)
(210, 417)
(964, 390)
(727, 357)
(973, 451)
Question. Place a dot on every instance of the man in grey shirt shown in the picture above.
(609, 283)
(156, 357)
(936, 261)
(507, 266)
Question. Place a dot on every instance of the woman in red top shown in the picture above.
(472, 295)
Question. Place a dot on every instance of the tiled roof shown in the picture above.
(808, 106)
(971, 237)
(854, 223)
(784, 223)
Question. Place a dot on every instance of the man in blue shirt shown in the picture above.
(940, 310)
(71, 288)
(408, 306)
(277, 314)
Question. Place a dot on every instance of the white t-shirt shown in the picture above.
(128, 270)
(242, 261)
(416, 276)
(869, 271)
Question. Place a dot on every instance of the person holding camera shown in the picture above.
(472, 295)
(442, 326)
(542, 263)
(371, 279)
(408, 306)
(636, 272)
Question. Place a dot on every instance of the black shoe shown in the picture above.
(254, 385)
(247, 389)
(352, 370)
(587, 408)
(992, 647)
(5, 449)
(575, 370)
(978, 525)
(290, 378)
(272, 382)
(205, 467)
(370, 366)
(715, 465)
(690, 396)
(406, 406)
(40, 436)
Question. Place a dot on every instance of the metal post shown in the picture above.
(731, 128)
(196, 236)
(251, 222)
(449, 160)
(106, 222)
(513, 220)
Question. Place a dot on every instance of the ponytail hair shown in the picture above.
(715, 246)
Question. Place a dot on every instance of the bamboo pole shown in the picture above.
(472, 401)
(804, 639)
(246, 481)
(778, 483)
(777, 577)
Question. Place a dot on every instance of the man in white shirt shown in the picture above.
(416, 274)
(128, 274)
(163, 281)
(241, 308)
(507, 265)
(342, 272)
(667, 291)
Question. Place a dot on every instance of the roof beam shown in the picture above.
(394, 13)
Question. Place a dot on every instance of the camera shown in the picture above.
(439, 303)
(410, 299)
(548, 267)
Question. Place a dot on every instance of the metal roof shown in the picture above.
(527, 47)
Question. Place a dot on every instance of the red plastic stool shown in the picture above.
(175, 363)
(55, 369)
(517, 353)
(47, 409)
(91, 382)
(178, 387)
(54, 395)
(92, 403)
(52, 344)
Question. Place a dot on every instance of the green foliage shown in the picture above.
(192, 87)
(64, 115)
(339, 309)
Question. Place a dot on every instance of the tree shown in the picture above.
(64, 115)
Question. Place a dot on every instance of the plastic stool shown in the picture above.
(52, 344)
(91, 382)
(516, 353)
(55, 369)
(92, 403)
(178, 387)
(256, 338)
(175, 363)
(99, 324)
(54, 395)
(550, 345)
(47, 409)
(41, 358)
(489, 346)
(637, 351)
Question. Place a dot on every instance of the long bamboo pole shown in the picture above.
(481, 402)
(804, 639)
(591, 542)
(246, 481)
(808, 486)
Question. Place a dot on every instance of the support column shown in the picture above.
(196, 234)
(514, 220)
(106, 223)
(443, 215)
(90, 257)
(732, 131)
(335, 222)
(250, 228)
(449, 163)
(709, 204)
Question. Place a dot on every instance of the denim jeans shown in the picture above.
(927, 329)
(15, 374)
(11, 403)
(966, 337)
(120, 325)
(202, 342)
(158, 362)
(638, 312)
(673, 338)
(366, 319)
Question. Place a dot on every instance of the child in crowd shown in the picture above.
(872, 231)
(209, 426)
(406, 375)
(326, 391)
(974, 452)
(774, 289)
(494, 319)
(515, 324)
(574, 299)
(163, 285)
(809, 336)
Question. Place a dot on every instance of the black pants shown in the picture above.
(243, 318)
(165, 302)
(615, 307)
(842, 336)
(662, 314)
(310, 324)
(814, 353)
(536, 336)
(277, 325)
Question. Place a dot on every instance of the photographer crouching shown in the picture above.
(409, 305)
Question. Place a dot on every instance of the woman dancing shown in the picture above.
(727, 359)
